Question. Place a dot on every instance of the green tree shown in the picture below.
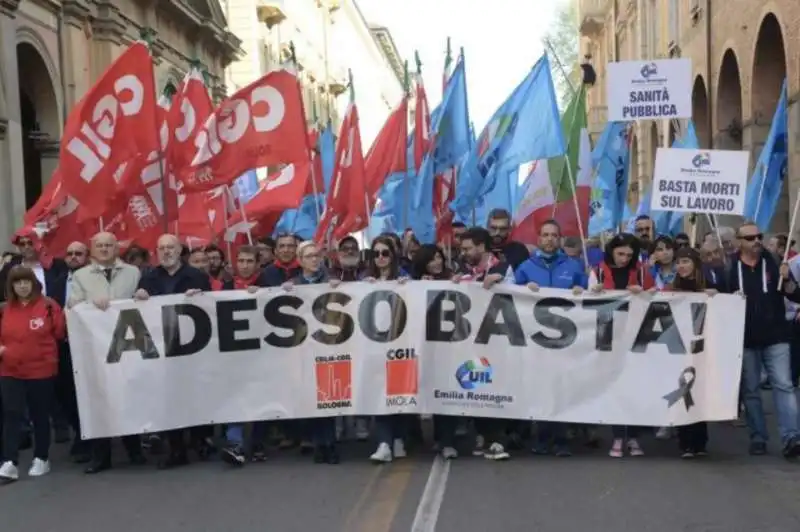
(564, 41)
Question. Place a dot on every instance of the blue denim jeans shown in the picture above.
(776, 359)
(234, 433)
(390, 427)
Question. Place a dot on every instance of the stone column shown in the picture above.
(12, 169)
(107, 29)
(77, 75)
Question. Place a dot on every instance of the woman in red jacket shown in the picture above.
(620, 270)
(31, 327)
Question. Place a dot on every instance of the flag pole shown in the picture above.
(147, 34)
(407, 177)
(571, 178)
(241, 211)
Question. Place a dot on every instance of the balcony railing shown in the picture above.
(591, 16)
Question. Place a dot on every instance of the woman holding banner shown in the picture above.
(620, 270)
(690, 278)
(384, 265)
(321, 430)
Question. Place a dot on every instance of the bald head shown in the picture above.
(104, 248)
(77, 255)
(168, 250)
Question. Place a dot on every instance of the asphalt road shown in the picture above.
(728, 491)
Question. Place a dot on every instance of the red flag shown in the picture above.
(316, 185)
(114, 122)
(388, 153)
(346, 206)
(279, 192)
(422, 125)
(261, 125)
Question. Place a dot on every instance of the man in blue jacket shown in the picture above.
(550, 267)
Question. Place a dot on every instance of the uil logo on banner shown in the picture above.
(402, 377)
(334, 381)
(474, 373)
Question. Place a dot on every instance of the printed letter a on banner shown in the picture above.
(131, 334)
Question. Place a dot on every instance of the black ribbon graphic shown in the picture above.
(684, 391)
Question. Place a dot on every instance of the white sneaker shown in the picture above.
(398, 448)
(449, 453)
(664, 433)
(39, 468)
(496, 452)
(8, 472)
(383, 454)
(362, 430)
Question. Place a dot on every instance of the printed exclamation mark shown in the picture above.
(698, 345)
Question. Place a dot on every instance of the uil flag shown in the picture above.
(261, 125)
(525, 128)
(114, 123)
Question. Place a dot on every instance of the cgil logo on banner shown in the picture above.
(402, 377)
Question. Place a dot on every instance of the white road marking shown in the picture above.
(431, 500)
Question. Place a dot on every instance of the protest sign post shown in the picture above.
(649, 90)
(700, 181)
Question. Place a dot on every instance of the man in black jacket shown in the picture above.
(173, 276)
(509, 251)
(754, 273)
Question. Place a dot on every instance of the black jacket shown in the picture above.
(157, 282)
(765, 316)
(512, 253)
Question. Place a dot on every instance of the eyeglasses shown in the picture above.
(75, 253)
(310, 256)
(24, 243)
(348, 249)
(382, 253)
(752, 238)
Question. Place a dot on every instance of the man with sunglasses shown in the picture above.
(754, 273)
(48, 275)
(66, 409)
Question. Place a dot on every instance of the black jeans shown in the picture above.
(35, 396)
(101, 448)
(65, 390)
(693, 437)
(493, 430)
(551, 432)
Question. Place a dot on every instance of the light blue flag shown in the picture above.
(668, 222)
(764, 188)
(525, 128)
(610, 186)
(246, 186)
(642, 209)
(327, 153)
(450, 131)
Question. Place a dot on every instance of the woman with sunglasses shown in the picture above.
(621, 270)
(391, 430)
(322, 430)
(690, 278)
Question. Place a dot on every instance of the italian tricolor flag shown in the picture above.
(547, 191)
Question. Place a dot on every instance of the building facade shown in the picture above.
(51, 51)
(740, 52)
(329, 37)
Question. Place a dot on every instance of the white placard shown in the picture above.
(649, 90)
(701, 181)
(421, 347)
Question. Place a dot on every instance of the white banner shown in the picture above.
(701, 181)
(649, 90)
(422, 347)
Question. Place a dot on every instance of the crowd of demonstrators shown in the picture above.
(36, 378)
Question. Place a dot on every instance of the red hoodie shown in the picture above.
(30, 334)
(638, 275)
